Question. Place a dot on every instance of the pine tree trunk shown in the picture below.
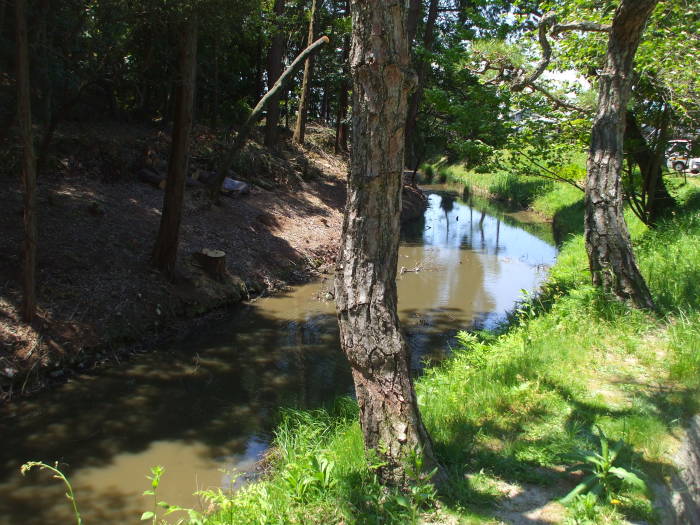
(417, 96)
(366, 277)
(165, 251)
(24, 118)
(612, 262)
(274, 70)
(300, 127)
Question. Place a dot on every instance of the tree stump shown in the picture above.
(213, 262)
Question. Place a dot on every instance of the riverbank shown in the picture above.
(510, 409)
(99, 298)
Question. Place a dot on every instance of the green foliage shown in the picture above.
(156, 473)
(605, 478)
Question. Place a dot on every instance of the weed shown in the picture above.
(29, 465)
(605, 477)
(156, 474)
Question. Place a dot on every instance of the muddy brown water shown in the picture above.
(209, 404)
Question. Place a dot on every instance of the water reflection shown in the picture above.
(211, 401)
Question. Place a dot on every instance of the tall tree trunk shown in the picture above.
(24, 118)
(656, 200)
(412, 18)
(612, 263)
(274, 70)
(258, 83)
(366, 277)
(341, 126)
(300, 127)
(417, 96)
(165, 251)
(215, 108)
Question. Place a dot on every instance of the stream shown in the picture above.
(208, 404)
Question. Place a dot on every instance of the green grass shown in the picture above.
(510, 408)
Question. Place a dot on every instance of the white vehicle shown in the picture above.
(678, 157)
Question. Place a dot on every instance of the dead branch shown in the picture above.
(256, 114)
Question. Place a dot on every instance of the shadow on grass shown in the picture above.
(568, 221)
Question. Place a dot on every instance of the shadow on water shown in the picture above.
(212, 401)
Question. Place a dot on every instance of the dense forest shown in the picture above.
(165, 160)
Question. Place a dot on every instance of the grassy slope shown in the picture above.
(509, 408)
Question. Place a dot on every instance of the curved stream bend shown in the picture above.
(210, 402)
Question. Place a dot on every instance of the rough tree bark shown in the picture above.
(24, 119)
(165, 250)
(417, 96)
(274, 70)
(300, 126)
(366, 276)
(612, 263)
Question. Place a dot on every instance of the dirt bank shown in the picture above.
(96, 289)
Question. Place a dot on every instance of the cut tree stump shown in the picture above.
(213, 262)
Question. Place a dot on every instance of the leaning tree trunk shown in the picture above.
(300, 127)
(165, 251)
(274, 70)
(24, 118)
(239, 143)
(612, 263)
(366, 277)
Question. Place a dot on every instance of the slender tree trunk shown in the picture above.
(612, 262)
(417, 96)
(24, 118)
(656, 200)
(165, 251)
(414, 15)
(215, 108)
(366, 277)
(259, 70)
(274, 70)
(300, 127)
(341, 126)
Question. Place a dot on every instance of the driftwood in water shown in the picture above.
(213, 262)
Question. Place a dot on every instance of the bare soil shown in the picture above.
(96, 289)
